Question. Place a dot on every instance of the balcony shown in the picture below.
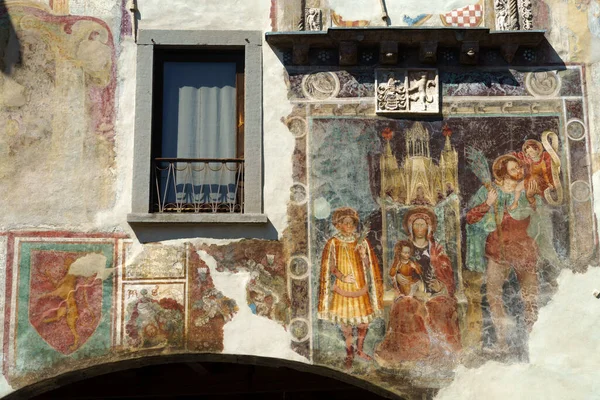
(198, 185)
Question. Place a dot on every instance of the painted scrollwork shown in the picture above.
(526, 14)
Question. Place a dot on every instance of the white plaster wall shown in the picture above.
(564, 347)
(246, 333)
(277, 140)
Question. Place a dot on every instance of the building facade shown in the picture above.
(400, 193)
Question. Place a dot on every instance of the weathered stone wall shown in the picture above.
(79, 289)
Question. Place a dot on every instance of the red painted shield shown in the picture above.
(64, 309)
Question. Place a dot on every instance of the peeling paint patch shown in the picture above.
(563, 363)
(247, 333)
(5, 388)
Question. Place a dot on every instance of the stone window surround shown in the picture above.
(251, 42)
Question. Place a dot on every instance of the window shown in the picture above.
(198, 127)
(198, 146)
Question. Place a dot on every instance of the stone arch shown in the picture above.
(80, 375)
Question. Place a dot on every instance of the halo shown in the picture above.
(497, 161)
(532, 142)
(425, 213)
(343, 212)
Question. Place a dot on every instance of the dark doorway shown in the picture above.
(207, 380)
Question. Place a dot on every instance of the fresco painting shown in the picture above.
(266, 292)
(58, 101)
(354, 296)
(434, 245)
(65, 289)
(413, 245)
(154, 315)
(64, 302)
(209, 311)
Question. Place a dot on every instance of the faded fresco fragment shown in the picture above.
(266, 293)
(209, 311)
(58, 110)
(154, 315)
(152, 297)
(157, 261)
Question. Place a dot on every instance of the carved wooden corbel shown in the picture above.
(469, 53)
(428, 52)
(300, 53)
(348, 53)
(388, 52)
(508, 51)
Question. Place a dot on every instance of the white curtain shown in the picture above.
(199, 121)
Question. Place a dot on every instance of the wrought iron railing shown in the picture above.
(199, 185)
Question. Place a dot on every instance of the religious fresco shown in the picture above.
(433, 241)
(414, 244)
(154, 315)
(403, 227)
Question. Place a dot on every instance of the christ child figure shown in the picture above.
(537, 165)
(406, 274)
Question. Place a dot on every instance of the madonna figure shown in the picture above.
(423, 322)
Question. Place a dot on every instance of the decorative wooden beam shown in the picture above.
(508, 51)
(424, 40)
(300, 53)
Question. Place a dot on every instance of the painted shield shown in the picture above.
(466, 17)
(65, 305)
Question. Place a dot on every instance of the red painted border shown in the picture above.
(8, 295)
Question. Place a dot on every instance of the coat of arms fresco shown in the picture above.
(65, 289)
(65, 301)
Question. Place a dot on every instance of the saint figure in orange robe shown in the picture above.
(351, 286)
